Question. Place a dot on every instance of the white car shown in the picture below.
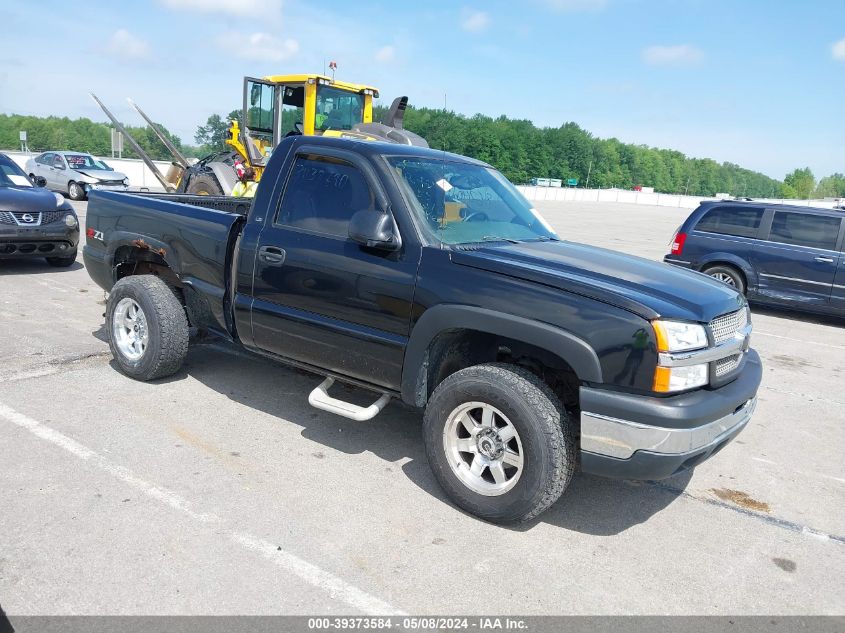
(75, 173)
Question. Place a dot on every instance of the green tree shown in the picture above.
(801, 182)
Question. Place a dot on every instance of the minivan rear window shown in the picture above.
(805, 229)
(739, 221)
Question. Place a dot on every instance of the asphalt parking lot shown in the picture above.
(220, 491)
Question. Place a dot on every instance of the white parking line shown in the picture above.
(337, 588)
(797, 340)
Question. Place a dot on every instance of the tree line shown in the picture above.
(517, 147)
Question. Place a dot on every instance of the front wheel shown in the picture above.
(148, 329)
(76, 191)
(499, 442)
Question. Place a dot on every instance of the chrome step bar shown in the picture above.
(319, 398)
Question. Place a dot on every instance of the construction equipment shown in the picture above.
(275, 107)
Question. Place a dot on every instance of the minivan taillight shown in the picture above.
(677, 244)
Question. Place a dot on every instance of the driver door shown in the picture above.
(262, 101)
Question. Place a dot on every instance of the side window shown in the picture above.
(45, 159)
(804, 229)
(322, 195)
(739, 221)
(58, 162)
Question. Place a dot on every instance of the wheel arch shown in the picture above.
(734, 261)
(444, 330)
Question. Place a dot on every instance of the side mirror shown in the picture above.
(39, 181)
(374, 229)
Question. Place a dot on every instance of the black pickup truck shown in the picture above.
(426, 277)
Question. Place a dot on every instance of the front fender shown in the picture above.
(573, 350)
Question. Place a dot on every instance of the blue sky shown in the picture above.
(755, 82)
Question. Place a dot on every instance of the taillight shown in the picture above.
(89, 232)
(678, 243)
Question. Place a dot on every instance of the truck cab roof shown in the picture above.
(376, 148)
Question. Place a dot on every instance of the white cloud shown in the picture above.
(230, 7)
(385, 54)
(838, 50)
(680, 55)
(123, 44)
(572, 6)
(475, 21)
(258, 46)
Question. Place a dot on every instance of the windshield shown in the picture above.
(84, 161)
(11, 175)
(337, 109)
(462, 203)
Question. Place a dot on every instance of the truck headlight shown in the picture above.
(669, 379)
(673, 337)
(70, 221)
(676, 336)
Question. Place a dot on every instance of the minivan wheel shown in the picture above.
(499, 442)
(727, 275)
(147, 326)
(76, 191)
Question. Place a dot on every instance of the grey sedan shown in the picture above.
(75, 173)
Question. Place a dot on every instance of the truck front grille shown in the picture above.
(725, 366)
(726, 326)
(7, 218)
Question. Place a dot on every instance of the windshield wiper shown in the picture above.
(545, 238)
(498, 238)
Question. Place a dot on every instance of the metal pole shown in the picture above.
(144, 156)
(589, 169)
(180, 158)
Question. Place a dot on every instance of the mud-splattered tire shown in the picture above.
(147, 326)
(517, 429)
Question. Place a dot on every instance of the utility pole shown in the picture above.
(589, 169)
(686, 189)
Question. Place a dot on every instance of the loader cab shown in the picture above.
(284, 105)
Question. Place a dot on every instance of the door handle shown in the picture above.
(272, 255)
(826, 260)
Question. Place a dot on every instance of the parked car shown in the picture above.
(427, 277)
(775, 254)
(75, 173)
(34, 222)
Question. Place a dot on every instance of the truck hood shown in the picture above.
(649, 289)
(27, 199)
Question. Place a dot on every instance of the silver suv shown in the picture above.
(75, 173)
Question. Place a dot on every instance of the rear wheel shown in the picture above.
(727, 275)
(148, 329)
(499, 442)
(204, 184)
(76, 191)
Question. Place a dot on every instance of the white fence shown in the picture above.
(139, 175)
(638, 197)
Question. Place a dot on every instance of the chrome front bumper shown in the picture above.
(620, 439)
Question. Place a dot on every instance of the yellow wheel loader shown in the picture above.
(275, 107)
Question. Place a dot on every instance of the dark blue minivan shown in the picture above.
(775, 254)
